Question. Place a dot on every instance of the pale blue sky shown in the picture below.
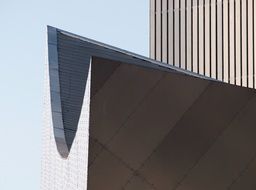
(121, 23)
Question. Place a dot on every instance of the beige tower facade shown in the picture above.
(215, 38)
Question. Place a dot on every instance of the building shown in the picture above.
(116, 120)
(215, 38)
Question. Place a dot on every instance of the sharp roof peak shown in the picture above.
(137, 56)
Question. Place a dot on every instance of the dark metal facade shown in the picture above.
(215, 38)
(116, 120)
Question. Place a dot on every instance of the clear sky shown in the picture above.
(122, 23)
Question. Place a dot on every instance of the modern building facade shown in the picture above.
(116, 120)
(215, 38)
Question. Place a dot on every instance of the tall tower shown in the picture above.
(215, 38)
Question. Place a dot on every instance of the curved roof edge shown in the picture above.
(120, 52)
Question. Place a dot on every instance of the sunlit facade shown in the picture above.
(215, 38)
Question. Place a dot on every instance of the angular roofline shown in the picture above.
(151, 63)
(156, 64)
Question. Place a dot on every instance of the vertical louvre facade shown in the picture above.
(215, 38)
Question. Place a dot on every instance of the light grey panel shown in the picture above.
(226, 46)
(250, 43)
(152, 29)
(232, 40)
(177, 32)
(219, 40)
(254, 41)
(164, 31)
(158, 30)
(201, 36)
(171, 31)
(189, 35)
(238, 42)
(213, 39)
(244, 43)
(183, 33)
(207, 38)
(195, 36)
